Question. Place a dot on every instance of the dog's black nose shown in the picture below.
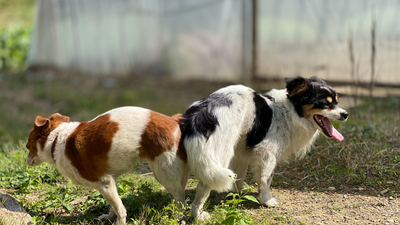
(344, 115)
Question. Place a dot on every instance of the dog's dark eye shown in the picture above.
(322, 106)
(329, 104)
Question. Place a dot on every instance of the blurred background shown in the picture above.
(81, 58)
(219, 39)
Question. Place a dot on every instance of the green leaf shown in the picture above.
(230, 194)
(68, 207)
(229, 201)
(36, 220)
(237, 201)
(94, 194)
(251, 198)
(242, 221)
(125, 183)
(229, 221)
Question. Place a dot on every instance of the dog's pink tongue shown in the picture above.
(331, 129)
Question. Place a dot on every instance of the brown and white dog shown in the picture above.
(95, 153)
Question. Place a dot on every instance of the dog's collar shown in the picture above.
(53, 148)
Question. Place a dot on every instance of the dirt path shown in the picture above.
(332, 207)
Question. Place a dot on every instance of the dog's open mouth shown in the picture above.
(327, 127)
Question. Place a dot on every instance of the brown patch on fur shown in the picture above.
(41, 131)
(309, 111)
(300, 88)
(53, 148)
(31, 144)
(329, 99)
(57, 119)
(159, 135)
(88, 146)
(336, 98)
(181, 149)
(177, 116)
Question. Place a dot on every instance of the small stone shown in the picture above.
(331, 188)
(384, 191)
(11, 212)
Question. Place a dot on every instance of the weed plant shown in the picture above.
(230, 211)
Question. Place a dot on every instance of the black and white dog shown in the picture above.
(236, 127)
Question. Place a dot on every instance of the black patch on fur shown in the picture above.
(200, 118)
(269, 97)
(261, 123)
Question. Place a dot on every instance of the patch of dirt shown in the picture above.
(337, 208)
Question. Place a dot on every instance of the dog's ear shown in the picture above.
(60, 118)
(296, 86)
(177, 116)
(41, 123)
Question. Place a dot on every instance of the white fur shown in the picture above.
(216, 160)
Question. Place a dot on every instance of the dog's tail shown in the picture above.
(208, 168)
(216, 178)
(207, 160)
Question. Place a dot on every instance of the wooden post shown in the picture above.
(373, 53)
(254, 62)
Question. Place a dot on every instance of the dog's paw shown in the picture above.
(203, 216)
(103, 217)
(273, 202)
(121, 221)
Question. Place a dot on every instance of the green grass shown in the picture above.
(368, 157)
(16, 12)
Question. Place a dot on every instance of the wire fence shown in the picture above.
(211, 39)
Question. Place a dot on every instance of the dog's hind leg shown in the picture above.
(107, 187)
(173, 175)
(202, 193)
(264, 171)
(179, 194)
(176, 187)
(239, 164)
(239, 167)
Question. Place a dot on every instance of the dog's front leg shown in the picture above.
(264, 171)
(108, 188)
